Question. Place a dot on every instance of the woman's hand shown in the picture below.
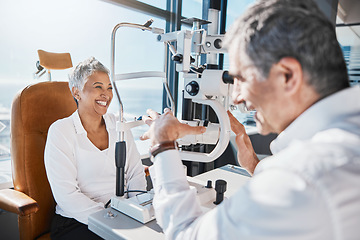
(246, 155)
(166, 127)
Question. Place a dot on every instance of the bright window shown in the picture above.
(349, 39)
(192, 8)
(83, 28)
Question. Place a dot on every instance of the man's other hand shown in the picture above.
(246, 154)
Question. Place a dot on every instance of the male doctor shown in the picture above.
(289, 67)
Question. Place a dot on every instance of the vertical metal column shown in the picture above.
(174, 7)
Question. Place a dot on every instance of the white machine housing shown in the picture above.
(210, 90)
(140, 207)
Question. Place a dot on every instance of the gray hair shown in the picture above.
(273, 29)
(80, 74)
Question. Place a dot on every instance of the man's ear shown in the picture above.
(293, 74)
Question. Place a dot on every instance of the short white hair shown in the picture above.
(81, 72)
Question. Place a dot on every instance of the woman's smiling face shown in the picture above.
(97, 94)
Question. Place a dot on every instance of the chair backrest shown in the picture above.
(34, 109)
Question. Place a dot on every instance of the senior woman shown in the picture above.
(80, 154)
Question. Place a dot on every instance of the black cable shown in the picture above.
(108, 203)
(140, 191)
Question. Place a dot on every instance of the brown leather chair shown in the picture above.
(34, 109)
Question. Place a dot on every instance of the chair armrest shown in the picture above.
(17, 202)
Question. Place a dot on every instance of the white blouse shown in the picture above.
(82, 177)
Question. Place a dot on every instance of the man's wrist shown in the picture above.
(161, 147)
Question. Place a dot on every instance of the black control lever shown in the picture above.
(220, 188)
(120, 160)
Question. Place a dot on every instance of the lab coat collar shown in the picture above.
(79, 128)
(322, 115)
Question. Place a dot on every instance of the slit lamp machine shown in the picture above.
(210, 87)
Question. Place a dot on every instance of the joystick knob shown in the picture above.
(220, 188)
(192, 88)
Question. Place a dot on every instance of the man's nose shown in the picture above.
(237, 98)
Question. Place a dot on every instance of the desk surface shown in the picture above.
(124, 227)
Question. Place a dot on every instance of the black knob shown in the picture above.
(209, 184)
(177, 58)
(218, 43)
(227, 78)
(38, 66)
(220, 188)
(192, 88)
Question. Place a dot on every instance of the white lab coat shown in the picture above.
(82, 178)
(309, 188)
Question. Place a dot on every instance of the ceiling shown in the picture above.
(349, 11)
